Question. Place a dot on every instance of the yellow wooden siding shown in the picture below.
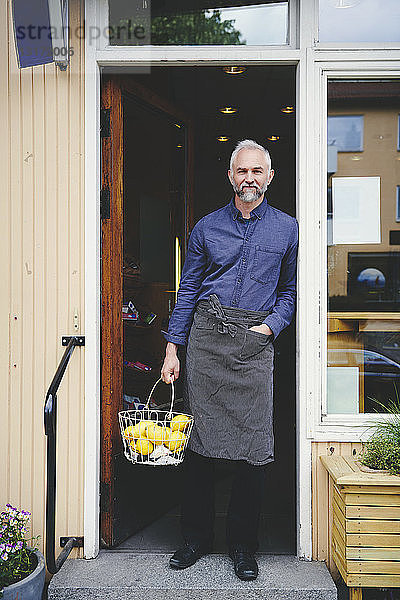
(42, 275)
(321, 493)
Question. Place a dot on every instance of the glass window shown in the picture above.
(359, 21)
(398, 204)
(363, 262)
(346, 133)
(198, 22)
(398, 133)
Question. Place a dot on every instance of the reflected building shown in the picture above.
(363, 276)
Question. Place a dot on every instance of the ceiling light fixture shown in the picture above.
(234, 70)
(273, 138)
(287, 109)
(222, 138)
(228, 110)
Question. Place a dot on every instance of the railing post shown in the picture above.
(51, 486)
(50, 427)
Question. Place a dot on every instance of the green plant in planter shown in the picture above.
(16, 559)
(382, 450)
(381, 453)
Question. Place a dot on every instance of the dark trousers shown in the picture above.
(198, 501)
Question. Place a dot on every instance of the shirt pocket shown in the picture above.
(266, 265)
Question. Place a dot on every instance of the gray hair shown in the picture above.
(252, 145)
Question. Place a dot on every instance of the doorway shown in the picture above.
(168, 140)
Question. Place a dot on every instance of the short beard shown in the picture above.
(247, 195)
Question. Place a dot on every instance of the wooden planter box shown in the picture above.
(365, 511)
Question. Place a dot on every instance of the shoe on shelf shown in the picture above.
(187, 555)
(245, 565)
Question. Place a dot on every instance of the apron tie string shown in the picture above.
(217, 310)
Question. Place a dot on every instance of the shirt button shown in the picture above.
(243, 260)
(239, 280)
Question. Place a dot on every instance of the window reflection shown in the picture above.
(398, 204)
(363, 248)
(346, 133)
(198, 22)
(398, 134)
(359, 21)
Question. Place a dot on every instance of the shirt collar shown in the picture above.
(258, 211)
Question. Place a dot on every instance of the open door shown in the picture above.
(146, 210)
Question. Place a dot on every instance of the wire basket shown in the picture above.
(155, 437)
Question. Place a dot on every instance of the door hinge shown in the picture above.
(105, 123)
(104, 497)
(105, 203)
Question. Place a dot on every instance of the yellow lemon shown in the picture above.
(179, 423)
(144, 447)
(176, 441)
(130, 433)
(133, 432)
(141, 428)
(156, 434)
(150, 427)
(167, 434)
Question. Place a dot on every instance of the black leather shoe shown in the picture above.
(187, 556)
(245, 564)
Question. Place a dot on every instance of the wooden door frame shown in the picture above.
(111, 296)
(112, 91)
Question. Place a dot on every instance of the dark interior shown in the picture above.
(154, 199)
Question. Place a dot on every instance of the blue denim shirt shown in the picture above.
(248, 263)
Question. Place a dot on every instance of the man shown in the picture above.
(236, 294)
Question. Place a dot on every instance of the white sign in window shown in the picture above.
(343, 390)
(356, 210)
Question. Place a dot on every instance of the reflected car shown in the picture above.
(373, 363)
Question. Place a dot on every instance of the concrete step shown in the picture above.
(123, 575)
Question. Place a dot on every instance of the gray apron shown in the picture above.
(228, 384)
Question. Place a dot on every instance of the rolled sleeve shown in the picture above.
(285, 305)
(175, 339)
(189, 288)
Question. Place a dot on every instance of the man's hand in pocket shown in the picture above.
(263, 328)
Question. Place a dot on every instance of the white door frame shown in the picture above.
(307, 299)
(373, 65)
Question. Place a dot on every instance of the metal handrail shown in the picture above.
(50, 428)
